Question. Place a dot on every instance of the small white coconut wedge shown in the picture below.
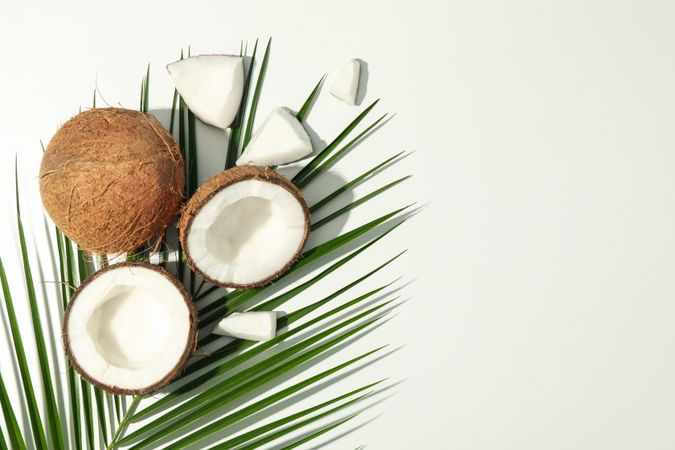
(346, 84)
(252, 326)
(281, 139)
(211, 85)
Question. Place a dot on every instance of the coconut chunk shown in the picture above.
(346, 84)
(130, 328)
(244, 227)
(211, 85)
(281, 139)
(252, 326)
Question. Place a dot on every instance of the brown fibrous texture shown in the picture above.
(112, 179)
(190, 345)
(221, 181)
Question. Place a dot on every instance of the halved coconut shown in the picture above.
(130, 328)
(211, 85)
(244, 227)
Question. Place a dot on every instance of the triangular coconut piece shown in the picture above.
(346, 84)
(281, 139)
(211, 86)
(252, 326)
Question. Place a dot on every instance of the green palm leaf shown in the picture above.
(29, 393)
(52, 409)
(304, 109)
(13, 430)
(321, 432)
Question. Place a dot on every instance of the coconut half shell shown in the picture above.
(244, 227)
(130, 328)
(112, 179)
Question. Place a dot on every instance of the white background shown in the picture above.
(541, 307)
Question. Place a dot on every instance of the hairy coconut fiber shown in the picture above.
(112, 179)
(221, 181)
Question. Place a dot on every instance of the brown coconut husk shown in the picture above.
(112, 179)
(190, 346)
(221, 181)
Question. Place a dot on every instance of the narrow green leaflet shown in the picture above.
(355, 182)
(323, 154)
(354, 204)
(304, 109)
(88, 413)
(13, 430)
(321, 432)
(121, 426)
(29, 393)
(304, 181)
(85, 387)
(52, 410)
(235, 142)
(66, 260)
(250, 119)
(250, 435)
(100, 412)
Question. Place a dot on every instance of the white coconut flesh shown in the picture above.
(346, 84)
(281, 139)
(211, 85)
(128, 328)
(252, 326)
(246, 232)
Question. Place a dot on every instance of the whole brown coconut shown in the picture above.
(112, 179)
(221, 182)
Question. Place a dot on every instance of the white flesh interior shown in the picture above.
(346, 84)
(211, 85)
(281, 139)
(129, 327)
(252, 326)
(246, 232)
